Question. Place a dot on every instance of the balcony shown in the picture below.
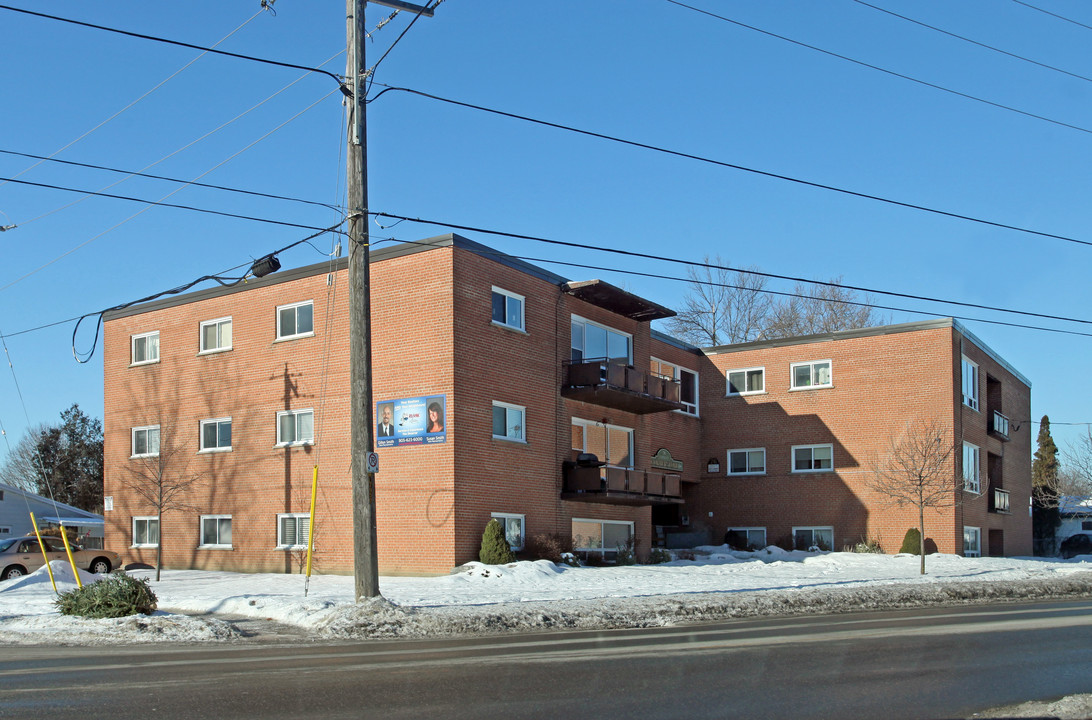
(999, 426)
(999, 500)
(623, 387)
(618, 485)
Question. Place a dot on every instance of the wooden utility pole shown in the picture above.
(362, 444)
(365, 552)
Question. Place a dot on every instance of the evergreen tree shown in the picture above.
(495, 548)
(1045, 497)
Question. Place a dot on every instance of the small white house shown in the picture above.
(1076, 515)
(16, 505)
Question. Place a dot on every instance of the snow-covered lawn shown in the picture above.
(538, 595)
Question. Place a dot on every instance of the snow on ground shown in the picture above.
(199, 606)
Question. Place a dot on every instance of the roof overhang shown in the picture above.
(617, 300)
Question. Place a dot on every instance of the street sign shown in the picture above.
(373, 462)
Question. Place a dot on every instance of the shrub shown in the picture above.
(116, 595)
(684, 554)
(865, 545)
(495, 548)
(658, 555)
(626, 555)
(553, 547)
(911, 542)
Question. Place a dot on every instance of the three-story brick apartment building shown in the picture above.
(503, 390)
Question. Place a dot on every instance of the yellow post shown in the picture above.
(310, 527)
(71, 560)
(41, 546)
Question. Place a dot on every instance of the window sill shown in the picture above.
(755, 474)
(303, 443)
(141, 457)
(138, 547)
(745, 394)
(812, 472)
(145, 362)
(214, 351)
(209, 451)
(510, 328)
(287, 338)
(290, 547)
(811, 387)
(513, 441)
(215, 547)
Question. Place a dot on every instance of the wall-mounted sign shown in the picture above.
(662, 460)
(411, 421)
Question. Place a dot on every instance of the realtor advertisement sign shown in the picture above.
(411, 421)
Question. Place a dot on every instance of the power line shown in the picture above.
(974, 42)
(1047, 12)
(160, 204)
(711, 266)
(884, 70)
(733, 166)
(264, 61)
(133, 173)
(416, 17)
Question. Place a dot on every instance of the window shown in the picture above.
(512, 525)
(970, 468)
(601, 537)
(751, 461)
(1086, 524)
(216, 531)
(295, 320)
(812, 458)
(146, 441)
(813, 538)
(687, 379)
(508, 422)
(507, 309)
(591, 341)
(146, 348)
(145, 531)
(746, 538)
(295, 427)
(5, 530)
(216, 335)
(970, 383)
(215, 435)
(813, 374)
(746, 381)
(292, 531)
(609, 443)
(972, 541)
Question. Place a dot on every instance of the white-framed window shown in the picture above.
(508, 422)
(5, 530)
(970, 383)
(747, 461)
(592, 341)
(601, 537)
(216, 531)
(971, 468)
(293, 530)
(295, 427)
(812, 458)
(508, 309)
(746, 538)
(813, 374)
(146, 531)
(216, 435)
(513, 527)
(145, 348)
(146, 441)
(612, 444)
(687, 379)
(296, 320)
(746, 381)
(972, 541)
(216, 335)
(808, 538)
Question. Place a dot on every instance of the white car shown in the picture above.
(22, 555)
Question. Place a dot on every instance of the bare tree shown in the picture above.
(1077, 478)
(725, 306)
(21, 467)
(917, 470)
(162, 479)
(722, 306)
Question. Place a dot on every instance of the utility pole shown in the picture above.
(361, 422)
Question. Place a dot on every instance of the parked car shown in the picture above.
(22, 555)
(1079, 544)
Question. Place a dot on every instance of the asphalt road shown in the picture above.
(932, 663)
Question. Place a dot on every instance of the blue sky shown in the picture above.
(649, 71)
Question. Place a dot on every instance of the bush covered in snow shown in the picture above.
(658, 555)
(114, 596)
